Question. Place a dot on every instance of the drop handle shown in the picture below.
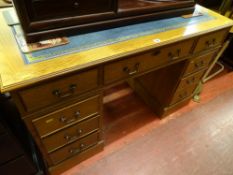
(175, 55)
(156, 53)
(82, 146)
(65, 120)
(69, 137)
(199, 64)
(71, 90)
(74, 150)
(183, 95)
(76, 4)
(211, 43)
(132, 72)
(190, 81)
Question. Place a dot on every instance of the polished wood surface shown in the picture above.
(160, 73)
(16, 74)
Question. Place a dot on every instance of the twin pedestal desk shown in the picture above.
(61, 100)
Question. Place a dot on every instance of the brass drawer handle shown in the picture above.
(70, 138)
(74, 151)
(77, 150)
(175, 55)
(132, 72)
(82, 146)
(63, 119)
(156, 53)
(70, 92)
(183, 95)
(199, 64)
(76, 4)
(211, 43)
(191, 80)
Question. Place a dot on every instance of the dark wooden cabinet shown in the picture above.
(13, 159)
(42, 19)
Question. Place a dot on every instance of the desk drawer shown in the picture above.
(136, 64)
(67, 116)
(190, 80)
(71, 134)
(57, 91)
(182, 94)
(199, 62)
(74, 148)
(210, 40)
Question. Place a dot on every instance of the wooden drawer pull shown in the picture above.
(63, 119)
(132, 72)
(174, 56)
(70, 92)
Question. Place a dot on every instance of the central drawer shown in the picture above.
(71, 134)
(139, 63)
(60, 90)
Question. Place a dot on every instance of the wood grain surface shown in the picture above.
(16, 74)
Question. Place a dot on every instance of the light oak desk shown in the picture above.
(60, 100)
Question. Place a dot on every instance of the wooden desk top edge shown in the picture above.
(15, 74)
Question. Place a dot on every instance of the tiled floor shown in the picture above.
(197, 139)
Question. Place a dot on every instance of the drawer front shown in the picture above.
(136, 64)
(47, 9)
(57, 91)
(71, 134)
(210, 40)
(199, 63)
(182, 94)
(74, 148)
(67, 116)
(190, 80)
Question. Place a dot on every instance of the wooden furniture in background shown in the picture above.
(13, 159)
(46, 19)
(60, 100)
